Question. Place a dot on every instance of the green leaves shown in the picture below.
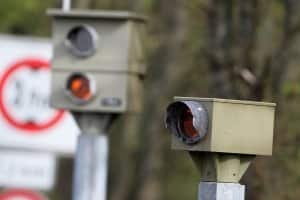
(25, 17)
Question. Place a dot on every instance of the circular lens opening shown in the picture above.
(80, 88)
(81, 40)
(187, 120)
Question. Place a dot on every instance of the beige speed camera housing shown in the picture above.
(109, 51)
(237, 132)
(238, 127)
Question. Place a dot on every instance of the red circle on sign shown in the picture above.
(26, 126)
(21, 194)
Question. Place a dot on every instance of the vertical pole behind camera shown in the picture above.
(221, 191)
(66, 5)
(91, 162)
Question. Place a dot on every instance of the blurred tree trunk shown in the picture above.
(280, 59)
(170, 34)
(235, 71)
(231, 48)
(219, 22)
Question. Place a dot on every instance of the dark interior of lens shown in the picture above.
(81, 38)
(180, 121)
(186, 123)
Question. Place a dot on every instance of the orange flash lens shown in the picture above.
(187, 124)
(76, 85)
(79, 87)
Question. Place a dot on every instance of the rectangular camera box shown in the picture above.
(107, 48)
(237, 127)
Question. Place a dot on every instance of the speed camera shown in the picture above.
(98, 61)
(222, 135)
(220, 125)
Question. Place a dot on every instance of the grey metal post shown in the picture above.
(90, 174)
(221, 191)
(66, 5)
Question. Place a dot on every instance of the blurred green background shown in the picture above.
(240, 49)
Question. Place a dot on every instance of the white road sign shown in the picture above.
(27, 170)
(26, 119)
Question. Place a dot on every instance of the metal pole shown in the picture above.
(66, 5)
(90, 176)
(221, 191)
(91, 162)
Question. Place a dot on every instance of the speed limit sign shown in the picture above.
(26, 119)
(20, 194)
(24, 96)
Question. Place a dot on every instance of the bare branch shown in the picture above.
(247, 76)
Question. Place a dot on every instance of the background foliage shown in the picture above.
(242, 49)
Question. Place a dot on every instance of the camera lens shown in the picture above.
(81, 41)
(187, 120)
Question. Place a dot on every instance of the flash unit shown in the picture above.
(188, 120)
(80, 88)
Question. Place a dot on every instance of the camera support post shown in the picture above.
(220, 174)
(221, 191)
(91, 164)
